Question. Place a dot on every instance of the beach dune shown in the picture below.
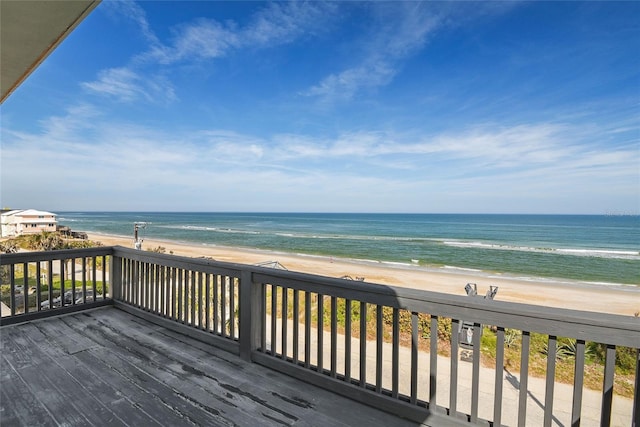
(623, 299)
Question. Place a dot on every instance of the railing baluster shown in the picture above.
(379, 344)
(184, 296)
(236, 309)
(524, 379)
(49, 283)
(307, 329)
(133, 296)
(158, 289)
(414, 358)
(475, 375)
(203, 298)
(130, 281)
(12, 290)
(320, 333)
(25, 286)
(578, 380)
(39, 284)
(162, 280)
(152, 287)
(193, 298)
(62, 297)
(149, 286)
(296, 325)
(223, 305)
(395, 355)
(180, 276)
(347, 340)
(363, 344)
(144, 285)
(334, 335)
(198, 302)
(105, 267)
(216, 300)
(433, 363)
(552, 347)
(124, 291)
(274, 319)
(140, 284)
(207, 302)
(135, 282)
(497, 394)
(453, 380)
(173, 297)
(263, 320)
(126, 263)
(607, 387)
(285, 321)
(94, 276)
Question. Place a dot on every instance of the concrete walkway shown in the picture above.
(5, 310)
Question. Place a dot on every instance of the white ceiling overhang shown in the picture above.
(30, 31)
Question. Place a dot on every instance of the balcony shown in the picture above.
(146, 338)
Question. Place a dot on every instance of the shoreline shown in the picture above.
(561, 293)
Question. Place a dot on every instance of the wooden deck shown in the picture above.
(107, 367)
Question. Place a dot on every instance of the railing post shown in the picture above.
(636, 394)
(251, 315)
(115, 276)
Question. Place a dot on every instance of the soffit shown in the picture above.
(30, 31)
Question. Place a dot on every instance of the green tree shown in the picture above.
(7, 247)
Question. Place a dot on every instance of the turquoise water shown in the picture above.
(602, 249)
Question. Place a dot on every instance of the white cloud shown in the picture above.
(125, 85)
(127, 166)
(284, 22)
(344, 85)
(404, 30)
(276, 24)
(130, 10)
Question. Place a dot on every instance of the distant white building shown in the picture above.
(30, 221)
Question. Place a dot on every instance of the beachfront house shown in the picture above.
(158, 339)
(30, 221)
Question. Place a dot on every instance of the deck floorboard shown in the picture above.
(108, 367)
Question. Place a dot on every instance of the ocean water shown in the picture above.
(587, 248)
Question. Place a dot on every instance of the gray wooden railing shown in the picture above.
(373, 343)
(28, 283)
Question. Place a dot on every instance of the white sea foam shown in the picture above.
(214, 229)
(451, 267)
(600, 253)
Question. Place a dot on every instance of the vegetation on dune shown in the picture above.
(45, 241)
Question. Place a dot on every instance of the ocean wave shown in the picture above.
(214, 229)
(302, 235)
(598, 253)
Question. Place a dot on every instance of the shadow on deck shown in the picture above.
(108, 367)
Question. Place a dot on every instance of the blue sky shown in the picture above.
(487, 107)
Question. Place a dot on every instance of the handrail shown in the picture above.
(304, 325)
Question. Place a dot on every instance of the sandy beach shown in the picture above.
(623, 300)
